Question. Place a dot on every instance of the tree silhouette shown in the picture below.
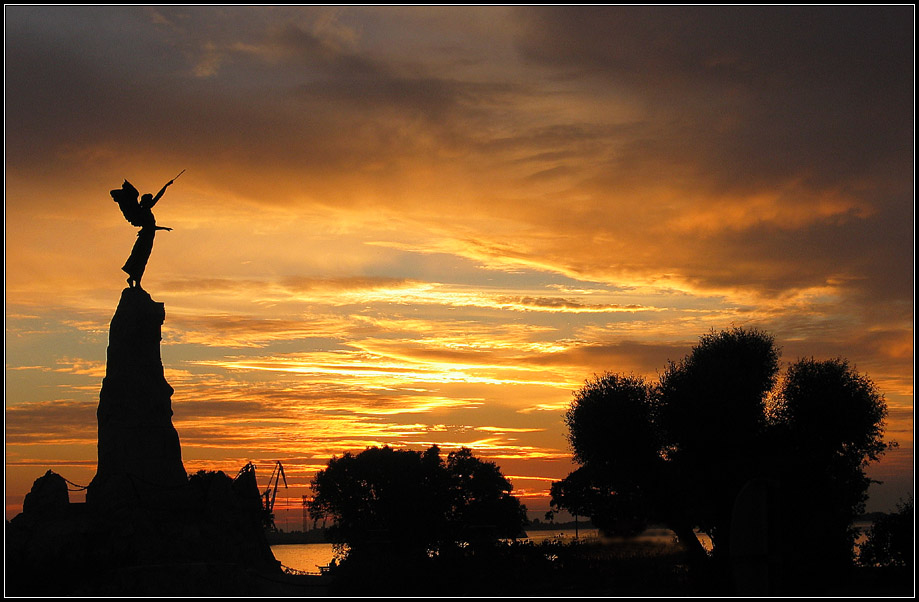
(712, 418)
(614, 437)
(619, 513)
(827, 426)
(412, 502)
(891, 539)
(481, 507)
(680, 451)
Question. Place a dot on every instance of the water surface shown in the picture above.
(308, 557)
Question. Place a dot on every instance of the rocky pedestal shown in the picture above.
(140, 458)
(146, 528)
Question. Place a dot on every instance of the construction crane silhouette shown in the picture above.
(277, 473)
(267, 498)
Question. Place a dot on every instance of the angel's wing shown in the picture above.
(126, 197)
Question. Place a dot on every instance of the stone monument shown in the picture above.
(140, 458)
(146, 528)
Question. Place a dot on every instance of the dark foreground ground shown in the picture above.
(523, 569)
(554, 569)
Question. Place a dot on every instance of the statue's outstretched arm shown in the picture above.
(160, 193)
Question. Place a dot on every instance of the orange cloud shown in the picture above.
(382, 236)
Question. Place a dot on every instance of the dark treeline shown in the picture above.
(770, 465)
(413, 503)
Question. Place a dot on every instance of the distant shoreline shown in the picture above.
(320, 535)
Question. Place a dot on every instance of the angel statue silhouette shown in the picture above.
(139, 214)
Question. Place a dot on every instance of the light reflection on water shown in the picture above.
(651, 535)
(308, 557)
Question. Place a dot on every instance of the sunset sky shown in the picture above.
(418, 225)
